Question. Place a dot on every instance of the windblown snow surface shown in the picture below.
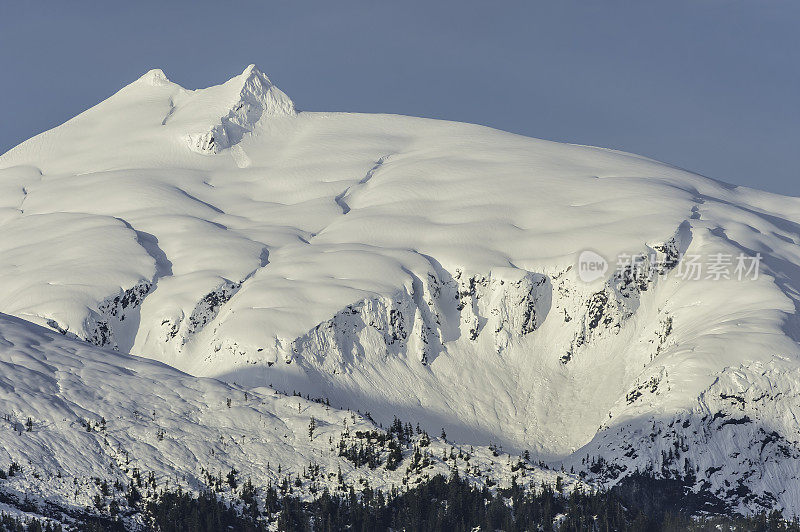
(402, 266)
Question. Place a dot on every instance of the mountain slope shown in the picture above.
(75, 415)
(418, 268)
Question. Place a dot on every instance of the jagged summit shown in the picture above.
(213, 119)
(253, 70)
(259, 87)
(162, 116)
(154, 77)
(251, 79)
(252, 96)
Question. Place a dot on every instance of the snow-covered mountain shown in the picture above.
(406, 267)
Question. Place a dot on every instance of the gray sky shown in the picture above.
(708, 85)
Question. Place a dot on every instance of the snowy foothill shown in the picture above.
(75, 415)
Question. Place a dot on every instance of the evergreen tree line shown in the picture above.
(445, 504)
(9, 523)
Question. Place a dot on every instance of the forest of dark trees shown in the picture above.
(452, 504)
(440, 504)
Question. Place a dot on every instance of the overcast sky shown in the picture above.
(708, 85)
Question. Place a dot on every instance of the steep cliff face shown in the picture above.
(105, 327)
(418, 323)
(608, 309)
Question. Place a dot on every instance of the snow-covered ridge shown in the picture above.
(154, 109)
(740, 442)
(74, 414)
(410, 267)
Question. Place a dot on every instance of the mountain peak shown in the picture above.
(258, 89)
(154, 77)
(252, 69)
(254, 97)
